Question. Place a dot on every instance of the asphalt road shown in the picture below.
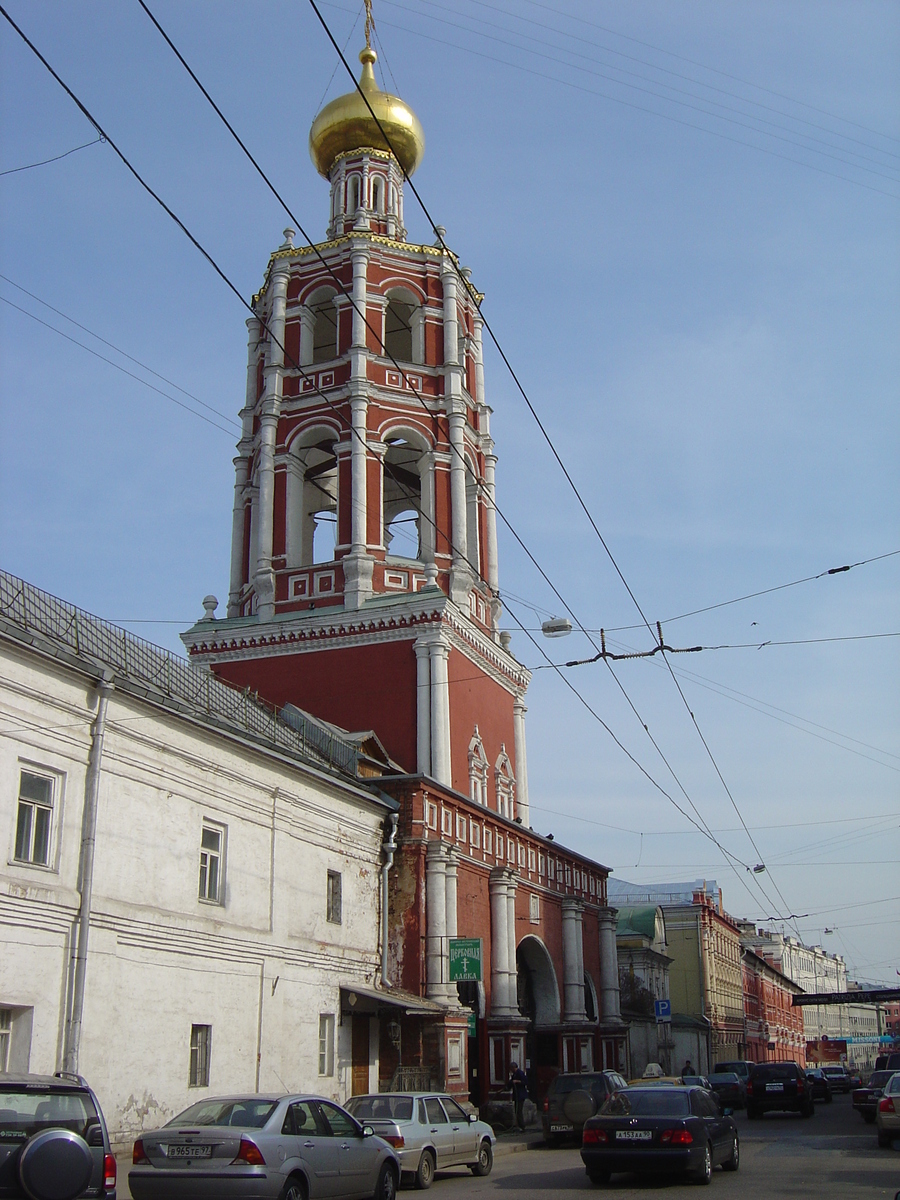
(783, 1157)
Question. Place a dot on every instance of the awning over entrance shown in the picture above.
(361, 998)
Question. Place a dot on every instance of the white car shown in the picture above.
(428, 1132)
(887, 1116)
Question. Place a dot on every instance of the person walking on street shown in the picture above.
(518, 1081)
(687, 1069)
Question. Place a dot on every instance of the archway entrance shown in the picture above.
(538, 1001)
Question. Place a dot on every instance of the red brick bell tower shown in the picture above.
(364, 584)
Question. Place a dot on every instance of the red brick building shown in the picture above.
(774, 1029)
(365, 589)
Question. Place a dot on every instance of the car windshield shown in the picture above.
(725, 1077)
(880, 1078)
(381, 1108)
(251, 1113)
(775, 1071)
(892, 1087)
(833, 1071)
(644, 1102)
(563, 1084)
(25, 1111)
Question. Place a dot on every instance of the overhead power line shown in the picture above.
(55, 158)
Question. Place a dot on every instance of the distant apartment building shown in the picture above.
(773, 1027)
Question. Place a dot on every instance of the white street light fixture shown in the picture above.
(556, 627)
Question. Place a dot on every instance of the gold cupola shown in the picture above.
(345, 124)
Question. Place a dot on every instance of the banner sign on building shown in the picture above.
(465, 960)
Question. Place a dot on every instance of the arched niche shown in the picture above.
(312, 496)
(536, 987)
(404, 326)
(319, 327)
(407, 494)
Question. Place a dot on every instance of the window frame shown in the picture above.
(326, 1045)
(6, 1019)
(334, 897)
(200, 1056)
(53, 779)
(208, 825)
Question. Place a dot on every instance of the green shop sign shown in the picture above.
(465, 959)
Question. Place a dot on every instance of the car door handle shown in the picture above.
(309, 1145)
(344, 1146)
(433, 1130)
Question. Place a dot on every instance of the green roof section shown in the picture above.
(640, 919)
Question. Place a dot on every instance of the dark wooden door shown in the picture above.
(359, 1056)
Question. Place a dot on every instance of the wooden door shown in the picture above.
(359, 1056)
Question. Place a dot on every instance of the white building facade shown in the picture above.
(191, 891)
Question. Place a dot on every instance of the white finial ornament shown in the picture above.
(210, 604)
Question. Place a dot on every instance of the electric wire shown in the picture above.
(543, 54)
(550, 443)
(119, 367)
(118, 350)
(55, 158)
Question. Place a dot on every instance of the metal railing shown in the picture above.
(168, 676)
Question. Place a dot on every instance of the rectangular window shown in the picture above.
(447, 822)
(488, 839)
(531, 859)
(326, 1044)
(510, 850)
(34, 819)
(431, 818)
(5, 1037)
(551, 868)
(521, 855)
(499, 846)
(534, 909)
(201, 1039)
(460, 828)
(212, 861)
(475, 835)
(333, 899)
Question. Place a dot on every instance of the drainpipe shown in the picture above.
(389, 846)
(88, 843)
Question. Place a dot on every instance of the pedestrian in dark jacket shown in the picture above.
(518, 1081)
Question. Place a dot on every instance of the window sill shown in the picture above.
(32, 866)
(210, 904)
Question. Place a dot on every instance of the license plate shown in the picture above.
(188, 1151)
(560, 1128)
(774, 1087)
(634, 1135)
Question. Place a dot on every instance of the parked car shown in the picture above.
(295, 1147)
(729, 1089)
(428, 1132)
(865, 1099)
(695, 1081)
(887, 1116)
(888, 1062)
(572, 1098)
(660, 1129)
(838, 1077)
(778, 1086)
(819, 1087)
(54, 1143)
(740, 1066)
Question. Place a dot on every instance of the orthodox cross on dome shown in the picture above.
(370, 24)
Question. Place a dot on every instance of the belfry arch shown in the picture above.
(537, 990)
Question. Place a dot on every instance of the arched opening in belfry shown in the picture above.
(402, 499)
(403, 327)
(536, 987)
(324, 326)
(312, 499)
(591, 1008)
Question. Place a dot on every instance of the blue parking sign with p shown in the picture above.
(663, 1010)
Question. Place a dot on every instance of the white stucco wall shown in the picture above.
(258, 968)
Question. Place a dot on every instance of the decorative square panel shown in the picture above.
(326, 379)
(398, 580)
(392, 378)
(414, 382)
(298, 587)
(309, 383)
(325, 583)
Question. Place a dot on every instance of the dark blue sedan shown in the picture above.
(677, 1130)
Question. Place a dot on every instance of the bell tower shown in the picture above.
(364, 578)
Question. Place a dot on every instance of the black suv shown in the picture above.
(778, 1086)
(572, 1098)
(54, 1143)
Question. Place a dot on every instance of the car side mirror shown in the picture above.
(473, 1117)
(367, 1131)
(727, 1112)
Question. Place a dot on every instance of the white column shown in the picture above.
(500, 1003)
(358, 567)
(609, 966)
(423, 707)
(573, 958)
(241, 472)
(493, 573)
(460, 571)
(435, 921)
(478, 355)
(511, 941)
(264, 578)
(522, 810)
(440, 712)
(451, 873)
(294, 512)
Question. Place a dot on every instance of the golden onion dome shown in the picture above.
(345, 124)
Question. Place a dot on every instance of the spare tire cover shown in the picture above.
(55, 1164)
(578, 1106)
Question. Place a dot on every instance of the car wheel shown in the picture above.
(386, 1187)
(598, 1175)
(294, 1189)
(425, 1171)
(703, 1174)
(485, 1159)
(884, 1138)
(733, 1161)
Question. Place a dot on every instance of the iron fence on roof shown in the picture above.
(164, 673)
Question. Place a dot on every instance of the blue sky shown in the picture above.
(702, 312)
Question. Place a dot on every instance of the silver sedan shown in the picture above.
(263, 1148)
(428, 1132)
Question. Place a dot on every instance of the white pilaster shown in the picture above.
(358, 566)
(500, 999)
(423, 707)
(522, 810)
(439, 652)
(573, 958)
(264, 577)
(609, 967)
(241, 473)
(436, 970)
(451, 874)
(511, 941)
